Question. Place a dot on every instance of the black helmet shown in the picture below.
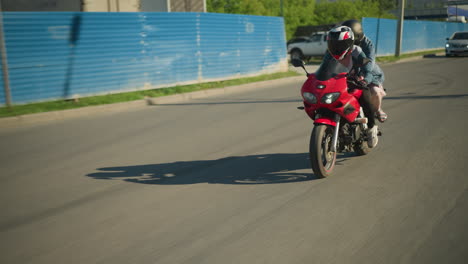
(356, 27)
(340, 41)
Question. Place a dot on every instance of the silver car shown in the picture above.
(457, 44)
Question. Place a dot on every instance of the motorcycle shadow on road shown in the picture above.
(413, 96)
(253, 169)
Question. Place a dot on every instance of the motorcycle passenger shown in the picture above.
(341, 49)
(375, 87)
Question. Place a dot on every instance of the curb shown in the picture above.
(415, 58)
(219, 91)
(52, 116)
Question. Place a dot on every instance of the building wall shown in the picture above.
(105, 5)
(41, 5)
(111, 5)
(154, 5)
(57, 55)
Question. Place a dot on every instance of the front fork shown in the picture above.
(335, 133)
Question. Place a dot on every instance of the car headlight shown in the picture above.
(330, 98)
(310, 98)
(447, 45)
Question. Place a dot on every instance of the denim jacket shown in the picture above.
(367, 47)
(353, 61)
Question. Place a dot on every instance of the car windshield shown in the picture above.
(329, 69)
(462, 35)
(316, 38)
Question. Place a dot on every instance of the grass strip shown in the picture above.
(131, 96)
(386, 59)
(138, 95)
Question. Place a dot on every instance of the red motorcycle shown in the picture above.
(333, 101)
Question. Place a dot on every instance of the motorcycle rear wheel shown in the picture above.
(322, 160)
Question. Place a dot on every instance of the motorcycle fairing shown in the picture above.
(325, 120)
(346, 105)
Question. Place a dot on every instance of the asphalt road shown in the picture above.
(226, 180)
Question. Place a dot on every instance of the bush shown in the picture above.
(305, 12)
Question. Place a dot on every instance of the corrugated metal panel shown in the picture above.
(2, 91)
(250, 45)
(417, 35)
(66, 54)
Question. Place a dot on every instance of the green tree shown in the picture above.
(246, 7)
(333, 12)
(305, 12)
(296, 12)
(387, 5)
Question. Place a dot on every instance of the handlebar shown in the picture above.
(355, 84)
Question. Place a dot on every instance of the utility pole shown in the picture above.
(6, 81)
(281, 8)
(400, 28)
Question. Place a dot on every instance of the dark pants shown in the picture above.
(366, 107)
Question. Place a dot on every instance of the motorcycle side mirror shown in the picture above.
(297, 62)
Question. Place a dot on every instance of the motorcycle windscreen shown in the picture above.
(330, 67)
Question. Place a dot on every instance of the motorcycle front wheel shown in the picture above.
(322, 159)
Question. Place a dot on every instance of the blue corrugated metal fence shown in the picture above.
(66, 54)
(417, 35)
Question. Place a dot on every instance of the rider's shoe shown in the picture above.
(381, 116)
(372, 136)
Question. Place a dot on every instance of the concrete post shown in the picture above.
(6, 81)
(400, 28)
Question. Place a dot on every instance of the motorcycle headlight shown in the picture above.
(310, 98)
(447, 45)
(330, 98)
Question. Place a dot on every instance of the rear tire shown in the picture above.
(322, 160)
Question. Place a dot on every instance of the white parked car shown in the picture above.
(457, 44)
(460, 19)
(316, 45)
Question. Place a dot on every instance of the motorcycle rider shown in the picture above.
(340, 42)
(376, 89)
